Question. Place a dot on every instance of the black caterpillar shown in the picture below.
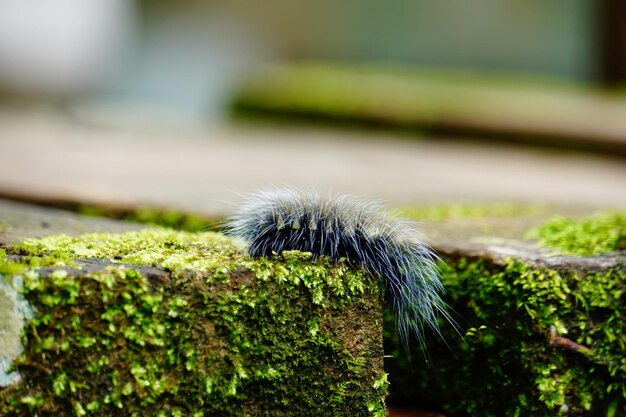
(362, 233)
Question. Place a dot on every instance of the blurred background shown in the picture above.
(187, 104)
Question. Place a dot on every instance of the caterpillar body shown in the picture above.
(358, 231)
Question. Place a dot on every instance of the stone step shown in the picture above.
(126, 320)
(538, 305)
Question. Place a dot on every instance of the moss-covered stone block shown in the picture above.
(543, 329)
(165, 323)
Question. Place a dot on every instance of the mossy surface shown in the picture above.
(537, 343)
(383, 94)
(602, 233)
(418, 100)
(223, 334)
(455, 211)
(170, 218)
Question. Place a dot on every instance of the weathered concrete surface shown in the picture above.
(14, 312)
(19, 221)
(497, 238)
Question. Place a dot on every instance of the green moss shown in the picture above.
(8, 267)
(173, 219)
(509, 363)
(175, 250)
(221, 335)
(605, 232)
(453, 211)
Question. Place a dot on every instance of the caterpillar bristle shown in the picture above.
(361, 232)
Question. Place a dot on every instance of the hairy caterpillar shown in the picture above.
(344, 227)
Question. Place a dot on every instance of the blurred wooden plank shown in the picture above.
(44, 154)
(504, 107)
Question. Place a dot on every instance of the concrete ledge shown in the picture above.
(157, 322)
(542, 332)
